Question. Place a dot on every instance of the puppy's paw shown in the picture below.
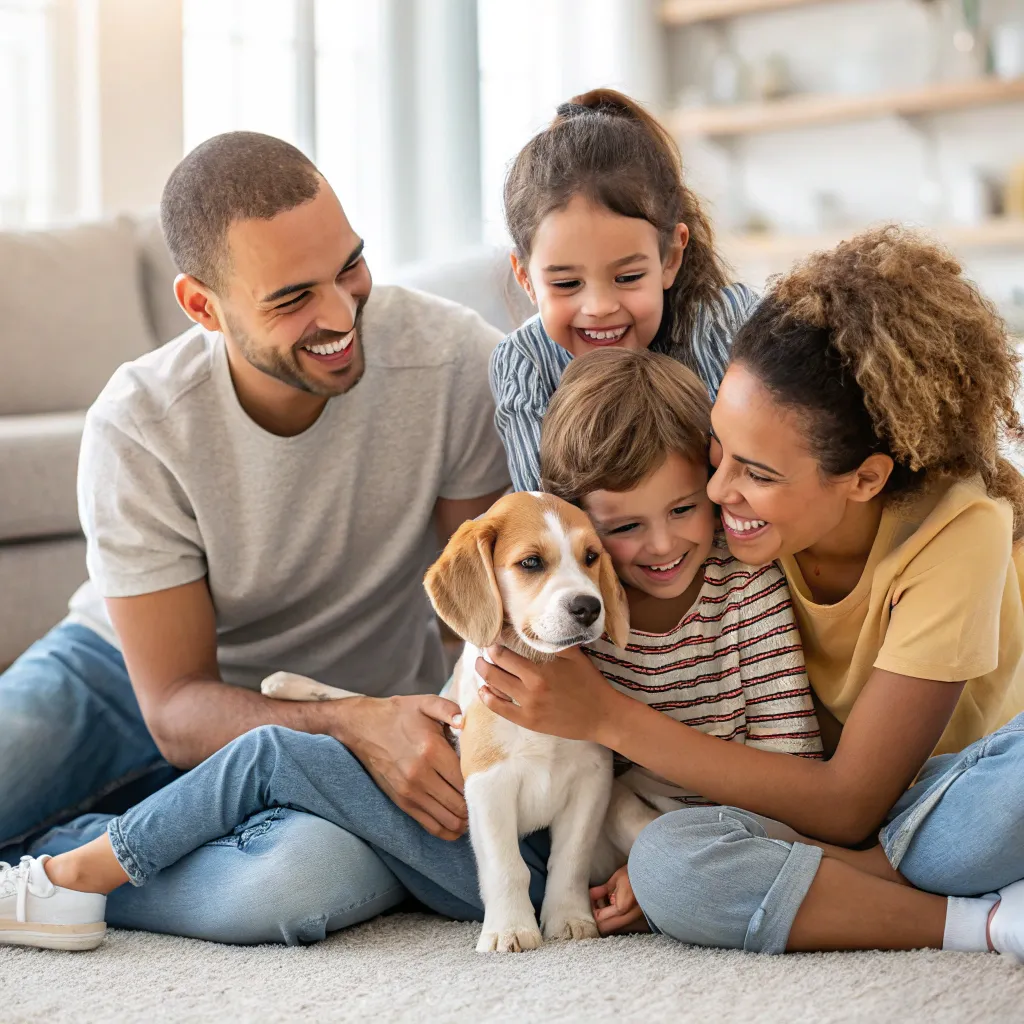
(571, 928)
(512, 940)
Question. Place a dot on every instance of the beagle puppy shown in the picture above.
(529, 574)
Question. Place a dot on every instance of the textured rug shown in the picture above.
(415, 968)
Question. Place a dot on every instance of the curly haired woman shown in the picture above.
(856, 439)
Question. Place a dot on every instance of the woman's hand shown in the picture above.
(565, 697)
(615, 907)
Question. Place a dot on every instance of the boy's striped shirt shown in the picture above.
(733, 668)
(527, 366)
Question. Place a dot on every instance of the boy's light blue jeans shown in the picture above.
(72, 739)
(711, 876)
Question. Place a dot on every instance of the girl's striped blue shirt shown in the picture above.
(527, 366)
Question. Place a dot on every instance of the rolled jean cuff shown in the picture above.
(124, 855)
(768, 930)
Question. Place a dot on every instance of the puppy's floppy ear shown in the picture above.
(461, 584)
(616, 608)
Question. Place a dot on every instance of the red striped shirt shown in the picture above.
(733, 668)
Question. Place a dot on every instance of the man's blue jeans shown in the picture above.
(72, 739)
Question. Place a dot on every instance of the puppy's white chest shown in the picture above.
(537, 774)
(547, 776)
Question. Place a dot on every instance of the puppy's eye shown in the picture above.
(531, 563)
(590, 558)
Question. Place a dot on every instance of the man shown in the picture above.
(263, 493)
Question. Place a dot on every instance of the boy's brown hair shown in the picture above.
(615, 417)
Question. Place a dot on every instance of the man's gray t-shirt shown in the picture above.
(314, 546)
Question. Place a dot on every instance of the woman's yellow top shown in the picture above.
(939, 598)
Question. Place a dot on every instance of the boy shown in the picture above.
(713, 642)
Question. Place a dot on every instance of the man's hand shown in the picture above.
(615, 907)
(402, 744)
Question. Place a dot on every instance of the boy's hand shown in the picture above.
(615, 907)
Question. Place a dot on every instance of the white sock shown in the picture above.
(1007, 928)
(967, 924)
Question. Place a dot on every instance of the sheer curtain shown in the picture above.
(412, 108)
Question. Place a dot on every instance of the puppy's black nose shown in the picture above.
(584, 609)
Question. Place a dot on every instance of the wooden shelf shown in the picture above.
(999, 233)
(803, 111)
(688, 12)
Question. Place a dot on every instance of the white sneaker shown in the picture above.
(35, 912)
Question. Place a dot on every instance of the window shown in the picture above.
(27, 112)
(241, 69)
(382, 94)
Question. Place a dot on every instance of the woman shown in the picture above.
(856, 438)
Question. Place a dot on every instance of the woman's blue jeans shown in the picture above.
(712, 876)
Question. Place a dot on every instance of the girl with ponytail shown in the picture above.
(614, 250)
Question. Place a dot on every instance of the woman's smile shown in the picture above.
(743, 529)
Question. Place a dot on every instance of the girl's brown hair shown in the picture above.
(605, 147)
(884, 346)
(616, 415)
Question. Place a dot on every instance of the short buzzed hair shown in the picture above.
(231, 177)
(615, 417)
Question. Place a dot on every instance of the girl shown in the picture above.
(613, 249)
(856, 437)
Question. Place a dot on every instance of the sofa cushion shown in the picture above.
(74, 313)
(166, 318)
(38, 467)
(36, 581)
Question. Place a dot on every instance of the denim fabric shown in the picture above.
(274, 767)
(70, 734)
(712, 876)
(72, 739)
(281, 876)
(959, 830)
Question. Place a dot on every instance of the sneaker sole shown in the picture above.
(52, 936)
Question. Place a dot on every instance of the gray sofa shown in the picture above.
(78, 302)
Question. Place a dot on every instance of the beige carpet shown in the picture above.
(422, 970)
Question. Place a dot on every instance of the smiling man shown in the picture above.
(262, 494)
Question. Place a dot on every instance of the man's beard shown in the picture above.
(287, 368)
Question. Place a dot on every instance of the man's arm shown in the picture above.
(169, 641)
(170, 648)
